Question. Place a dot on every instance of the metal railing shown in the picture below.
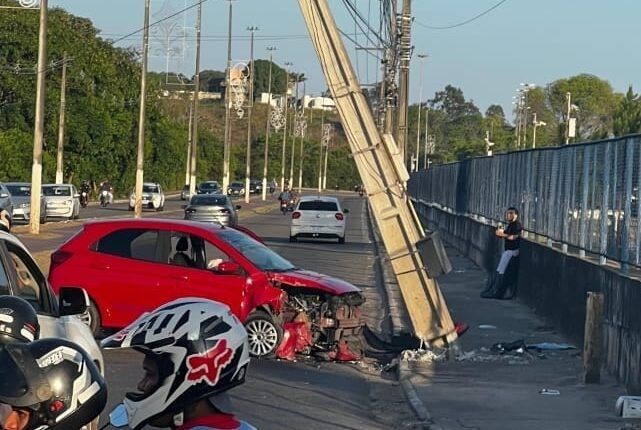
(586, 196)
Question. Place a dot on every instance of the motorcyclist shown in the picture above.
(42, 381)
(194, 351)
(85, 188)
(106, 186)
(272, 186)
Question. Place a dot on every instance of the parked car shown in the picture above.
(318, 217)
(21, 197)
(62, 200)
(131, 266)
(6, 203)
(208, 187)
(61, 317)
(236, 189)
(184, 194)
(255, 186)
(153, 197)
(212, 208)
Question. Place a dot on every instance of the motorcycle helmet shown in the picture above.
(200, 349)
(55, 380)
(18, 320)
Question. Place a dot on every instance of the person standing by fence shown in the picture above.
(499, 282)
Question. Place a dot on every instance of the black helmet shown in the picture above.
(18, 320)
(55, 379)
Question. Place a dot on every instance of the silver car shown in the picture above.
(153, 197)
(21, 197)
(62, 200)
(212, 208)
(5, 201)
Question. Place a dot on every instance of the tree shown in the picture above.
(627, 117)
(495, 111)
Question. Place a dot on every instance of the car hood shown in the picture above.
(18, 200)
(313, 280)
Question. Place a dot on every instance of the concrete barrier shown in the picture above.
(556, 285)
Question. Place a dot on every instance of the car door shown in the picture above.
(129, 268)
(197, 276)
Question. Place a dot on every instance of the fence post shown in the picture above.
(565, 217)
(592, 338)
(554, 173)
(603, 213)
(627, 208)
(584, 201)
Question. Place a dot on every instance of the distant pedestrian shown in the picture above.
(498, 282)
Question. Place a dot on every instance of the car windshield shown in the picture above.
(208, 186)
(56, 191)
(19, 190)
(236, 184)
(149, 189)
(260, 255)
(208, 200)
(317, 205)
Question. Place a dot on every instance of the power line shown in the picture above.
(446, 27)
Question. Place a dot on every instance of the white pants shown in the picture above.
(505, 260)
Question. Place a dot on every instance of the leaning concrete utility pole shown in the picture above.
(227, 148)
(248, 163)
(36, 168)
(140, 161)
(271, 49)
(404, 78)
(384, 175)
(193, 153)
(61, 122)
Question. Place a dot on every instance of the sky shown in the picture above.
(519, 41)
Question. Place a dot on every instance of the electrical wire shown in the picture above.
(460, 24)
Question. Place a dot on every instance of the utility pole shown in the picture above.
(568, 96)
(227, 148)
(271, 49)
(295, 126)
(420, 101)
(329, 140)
(189, 140)
(140, 161)
(427, 149)
(322, 143)
(286, 98)
(194, 110)
(535, 125)
(252, 30)
(404, 78)
(36, 168)
(61, 122)
(302, 142)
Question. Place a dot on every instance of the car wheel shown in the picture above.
(160, 208)
(43, 220)
(341, 240)
(92, 318)
(131, 208)
(264, 334)
(293, 239)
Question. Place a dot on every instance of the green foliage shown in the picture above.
(627, 117)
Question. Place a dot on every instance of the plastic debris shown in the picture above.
(551, 346)
(517, 346)
(422, 355)
(628, 407)
(549, 392)
(487, 327)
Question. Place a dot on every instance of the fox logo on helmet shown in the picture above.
(209, 365)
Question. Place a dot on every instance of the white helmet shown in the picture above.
(201, 350)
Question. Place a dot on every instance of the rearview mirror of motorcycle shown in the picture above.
(118, 417)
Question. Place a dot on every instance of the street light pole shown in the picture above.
(36, 169)
(568, 96)
(427, 113)
(282, 164)
(227, 148)
(61, 122)
(269, 109)
(302, 142)
(249, 113)
(291, 164)
(193, 153)
(420, 100)
(140, 162)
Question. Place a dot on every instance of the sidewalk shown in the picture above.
(485, 390)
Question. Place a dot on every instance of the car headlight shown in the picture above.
(68, 202)
(25, 205)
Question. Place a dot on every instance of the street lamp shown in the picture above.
(536, 124)
(252, 30)
(271, 50)
(288, 65)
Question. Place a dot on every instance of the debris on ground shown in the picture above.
(551, 346)
(487, 327)
(549, 392)
(485, 355)
(628, 407)
(423, 355)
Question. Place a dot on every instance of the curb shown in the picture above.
(411, 395)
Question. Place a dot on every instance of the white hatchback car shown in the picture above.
(318, 217)
(62, 317)
(62, 200)
(152, 197)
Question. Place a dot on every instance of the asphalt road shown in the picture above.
(283, 395)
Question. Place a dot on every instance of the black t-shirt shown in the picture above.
(513, 228)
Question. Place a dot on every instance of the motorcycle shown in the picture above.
(284, 206)
(104, 198)
(84, 199)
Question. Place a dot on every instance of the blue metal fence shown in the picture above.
(586, 196)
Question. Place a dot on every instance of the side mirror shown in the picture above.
(76, 196)
(345, 211)
(228, 268)
(238, 207)
(72, 301)
(118, 417)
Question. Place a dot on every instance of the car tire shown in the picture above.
(92, 318)
(160, 208)
(131, 208)
(43, 220)
(264, 334)
(341, 240)
(293, 239)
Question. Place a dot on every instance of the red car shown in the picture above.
(132, 266)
